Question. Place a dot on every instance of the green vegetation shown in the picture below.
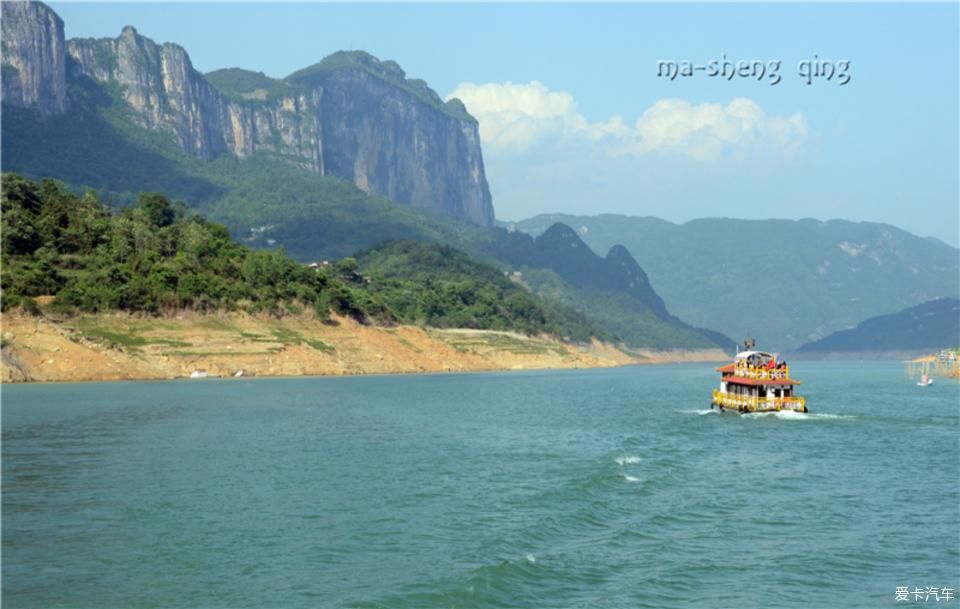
(129, 339)
(466, 343)
(387, 70)
(313, 217)
(150, 258)
(440, 287)
(97, 151)
(153, 257)
(246, 85)
(613, 292)
(292, 337)
(99, 148)
(787, 282)
(626, 317)
(929, 326)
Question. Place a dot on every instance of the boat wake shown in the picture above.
(792, 415)
(627, 460)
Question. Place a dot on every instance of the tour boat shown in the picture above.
(757, 382)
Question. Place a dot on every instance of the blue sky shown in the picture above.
(574, 117)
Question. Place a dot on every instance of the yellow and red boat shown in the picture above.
(757, 381)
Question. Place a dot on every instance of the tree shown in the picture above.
(21, 204)
(157, 209)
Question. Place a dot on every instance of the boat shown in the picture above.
(925, 368)
(757, 381)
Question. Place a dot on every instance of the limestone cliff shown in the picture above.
(165, 92)
(406, 147)
(162, 89)
(350, 116)
(34, 66)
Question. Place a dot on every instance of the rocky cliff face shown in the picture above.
(406, 150)
(34, 66)
(161, 87)
(165, 92)
(355, 117)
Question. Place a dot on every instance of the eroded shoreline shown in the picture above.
(113, 347)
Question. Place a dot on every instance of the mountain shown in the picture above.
(611, 291)
(926, 327)
(350, 116)
(313, 163)
(786, 282)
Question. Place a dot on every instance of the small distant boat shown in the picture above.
(924, 380)
(757, 382)
(202, 374)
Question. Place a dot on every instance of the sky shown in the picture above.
(578, 115)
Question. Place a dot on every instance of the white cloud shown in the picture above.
(512, 117)
(515, 116)
(706, 131)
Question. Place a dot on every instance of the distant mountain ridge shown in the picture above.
(788, 282)
(929, 326)
(350, 116)
(560, 249)
(612, 291)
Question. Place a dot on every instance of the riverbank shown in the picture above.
(113, 347)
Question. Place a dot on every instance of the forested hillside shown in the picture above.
(930, 326)
(157, 257)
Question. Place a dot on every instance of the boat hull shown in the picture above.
(746, 404)
(749, 410)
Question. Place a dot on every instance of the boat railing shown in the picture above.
(755, 403)
(761, 372)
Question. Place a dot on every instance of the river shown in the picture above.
(595, 488)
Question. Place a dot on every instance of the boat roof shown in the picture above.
(733, 380)
(747, 354)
